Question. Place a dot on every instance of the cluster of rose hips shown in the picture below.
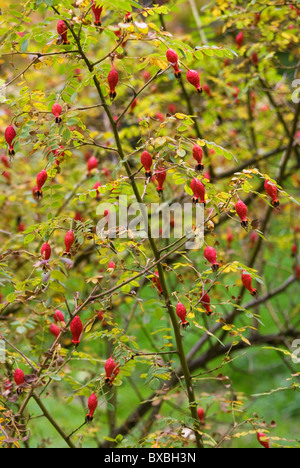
(112, 369)
(192, 76)
(211, 256)
(69, 240)
(197, 186)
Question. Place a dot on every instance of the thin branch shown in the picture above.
(160, 72)
(53, 422)
(19, 352)
(22, 73)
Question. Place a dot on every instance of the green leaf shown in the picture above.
(58, 275)
(56, 378)
(29, 238)
(24, 46)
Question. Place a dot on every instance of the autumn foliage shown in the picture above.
(123, 340)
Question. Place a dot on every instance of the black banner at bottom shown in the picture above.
(138, 457)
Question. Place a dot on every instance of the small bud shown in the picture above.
(160, 176)
(257, 18)
(78, 216)
(54, 330)
(201, 414)
(101, 317)
(5, 161)
(59, 155)
(229, 237)
(92, 164)
(239, 39)
(59, 316)
(253, 238)
(297, 271)
(19, 379)
(156, 282)
(205, 301)
(96, 187)
(294, 250)
(133, 105)
(255, 59)
(207, 90)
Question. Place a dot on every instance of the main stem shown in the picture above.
(181, 353)
(156, 253)
(52, 421)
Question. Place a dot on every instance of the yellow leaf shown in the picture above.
(38, 65)
(246, 341)
(45, 49)
(201, 142)
(180, 116)
(142, 27)
(157, 62)
(89, 327)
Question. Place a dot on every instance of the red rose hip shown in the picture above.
(69, 241)
(97, 10)
(46, 251)
(92, 405)
(10, 135)
(198, 155)
(247, 282)
(242, 211)
(198, 190)
(194, 78)
(76, 330)
(111, 371)
(113, 80)
(57, 111)
(147, 161)
(211, 256)
(182, 313)
(62, 30)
